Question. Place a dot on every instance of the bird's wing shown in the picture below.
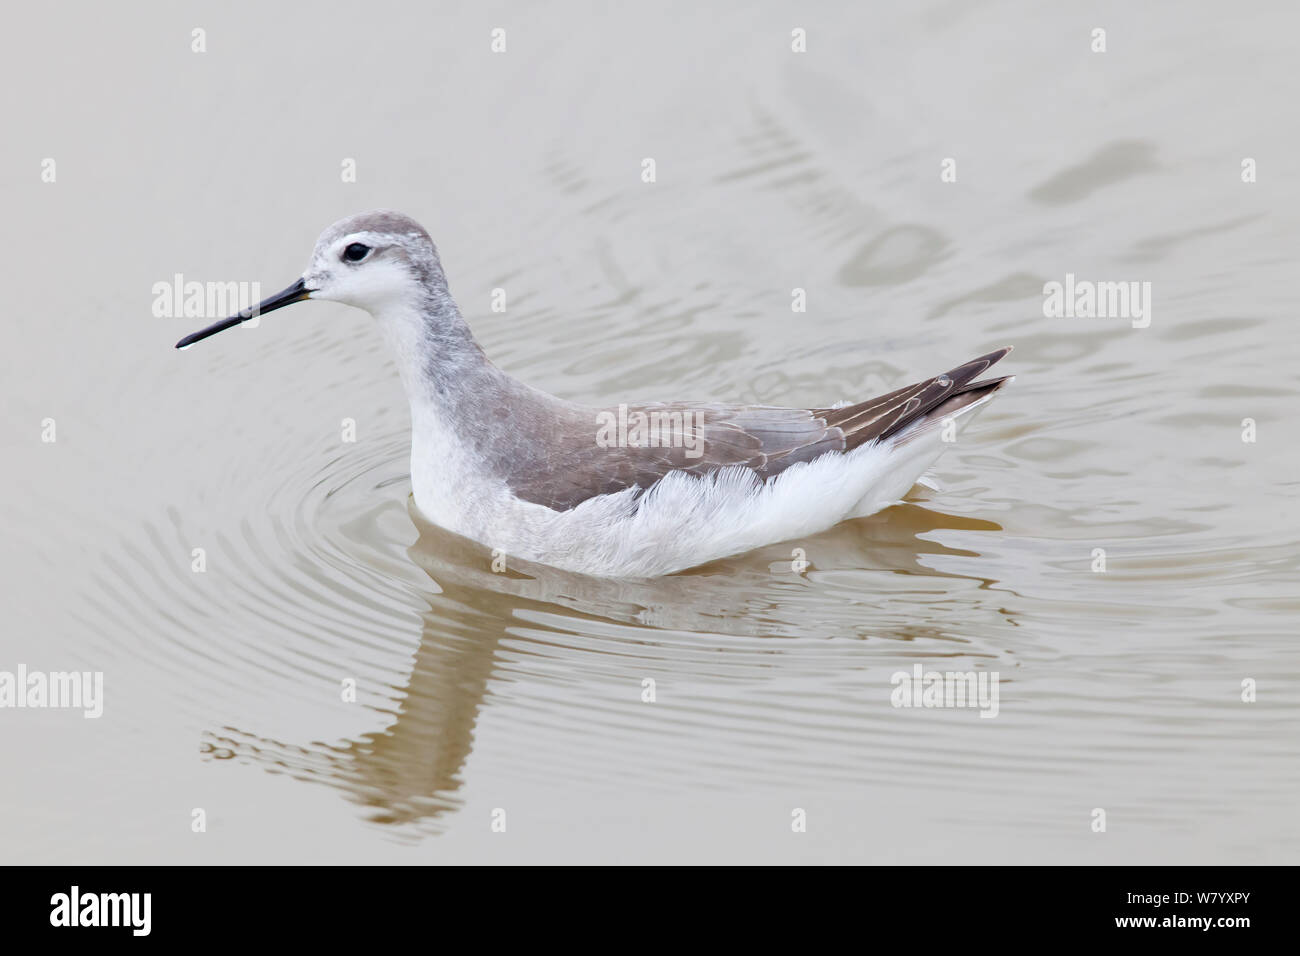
(637, 445)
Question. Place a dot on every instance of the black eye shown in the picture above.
(356, 252)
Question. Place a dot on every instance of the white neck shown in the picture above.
(448, 382)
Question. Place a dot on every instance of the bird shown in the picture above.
(637, 490)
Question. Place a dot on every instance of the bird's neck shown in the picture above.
(437, 357)
(471, 423)
(452, 387)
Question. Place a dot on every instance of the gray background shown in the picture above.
(775, 170)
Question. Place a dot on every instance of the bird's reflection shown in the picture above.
(409, 773)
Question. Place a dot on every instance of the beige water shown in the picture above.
(518, 696)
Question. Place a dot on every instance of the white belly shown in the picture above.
(682, 521)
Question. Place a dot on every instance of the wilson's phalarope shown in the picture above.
(639, 490)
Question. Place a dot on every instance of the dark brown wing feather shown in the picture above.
(881, 417)
(765, 439)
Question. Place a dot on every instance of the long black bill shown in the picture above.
(295, 293)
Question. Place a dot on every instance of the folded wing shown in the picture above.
(635, 447)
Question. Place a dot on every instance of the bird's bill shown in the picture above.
(295, 293)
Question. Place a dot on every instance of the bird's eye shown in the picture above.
(356, 252)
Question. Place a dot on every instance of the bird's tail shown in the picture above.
(925, 438)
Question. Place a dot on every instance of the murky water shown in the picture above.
(479, 692)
